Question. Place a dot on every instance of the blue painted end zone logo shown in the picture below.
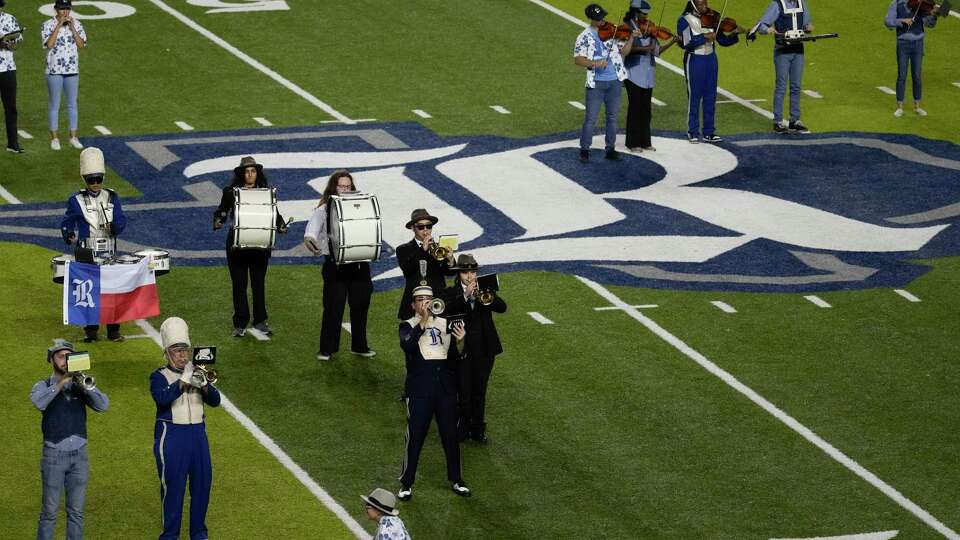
(759, 213)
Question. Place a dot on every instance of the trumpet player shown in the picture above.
(482, 346)
(430, 389)
(180, 437)
(64, 464)
(418, 262)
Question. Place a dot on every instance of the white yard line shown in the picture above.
(577, 105)
(277, 452)
(260, 336)
(539, 318)
(907, 295)
(886, 90)
(772, 409)
(612, 308)
(817, 301)
(747, 100)
(657, 102)
(103, 130)
(24, 134)
(954, 14)
(724, 307)
(7, 196)
(183, 125)
(957, 84)
(499, 109)
(313, 100)
(814, 94)
(138, 336)
(421, 113)
(357, 121)
(346, 326)
(725, 93)
(262, 121)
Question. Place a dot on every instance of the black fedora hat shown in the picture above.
(247, 162)
(420, 214)
(465, 263)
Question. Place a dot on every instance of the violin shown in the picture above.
(608, 30)
(711, 19)
(647, 28)
(924, 8)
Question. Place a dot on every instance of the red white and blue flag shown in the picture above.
(113, 293)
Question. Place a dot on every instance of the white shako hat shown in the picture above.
(174, 331)
(91, 162)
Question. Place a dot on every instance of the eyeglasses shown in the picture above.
(424, 226)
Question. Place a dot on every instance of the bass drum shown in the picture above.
(255, 218)
(59, 266)
(158, 259)
(354, 227)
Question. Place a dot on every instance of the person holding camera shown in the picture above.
(8, 75)
(179, 437)
(64, 464)
(430, 389)
(63, 37)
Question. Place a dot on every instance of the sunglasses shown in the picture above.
(422, 227)
(93, 180)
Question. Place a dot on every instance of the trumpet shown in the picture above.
(87, 382)
(437, 305)
(485, 297)
(203, 375)
(438, 252)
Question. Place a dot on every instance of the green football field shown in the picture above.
(675, 420)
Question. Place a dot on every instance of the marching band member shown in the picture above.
(179, 437)
(93, 219)
(64, 462)
(8, 77)
(910, 25)
(780, 17)
(641, 76)
(342, 283)
(603, 61)
(701, 68)
(482, 346)
(430, 389)
(416, 254)
(246, 263)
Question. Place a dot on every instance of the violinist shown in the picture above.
(780, 17)
(640, 64)
(600, 49)
(699, 33)
(910, 20)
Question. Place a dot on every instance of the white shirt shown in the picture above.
(586, 46)
(63, 58)
(8, 23)
(317, 229)
(695, 28)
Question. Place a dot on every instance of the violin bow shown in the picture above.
(720, 18)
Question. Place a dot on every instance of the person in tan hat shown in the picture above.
(380, 506)
(414, 256)
(482, 345)
(246, 264)
(93, 220)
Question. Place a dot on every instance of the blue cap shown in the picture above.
(641, 5)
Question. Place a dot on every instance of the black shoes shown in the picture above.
(780, 128)
(712, 138)
(116, 338)
(16, 149)
(798, 127)
(89, 338)
(612, 155)
(584, 156)
(460, 488)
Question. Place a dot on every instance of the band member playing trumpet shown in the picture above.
(482, 345)
(421, 254)
(430, 389)
(93, 220)
(342, 283)
(246, 263)
(64, 464)
(180, 437)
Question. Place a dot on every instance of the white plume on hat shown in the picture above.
(91, 161)
(174, 330)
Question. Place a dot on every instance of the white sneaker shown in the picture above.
(75, 142)
(898, 113)
(55, 144)
(920, 112)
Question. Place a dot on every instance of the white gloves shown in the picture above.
(187, 376)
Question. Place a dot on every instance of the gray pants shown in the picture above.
(788, 66)
(58, 470)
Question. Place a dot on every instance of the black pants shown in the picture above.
(92, 329)
(638, 115)
(8, 94)
(252, 263)
(420, 411)
(344, 283)
(473, 374)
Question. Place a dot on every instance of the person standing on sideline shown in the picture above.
(8, 76)
(64, 463)
(63, 37)
(701, 69)
(380, 506)
(910, 26)
(603, 60)
(342, 283)
(641, 65)
(783, 16)
(180, 444)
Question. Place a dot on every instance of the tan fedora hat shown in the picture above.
(383, 501)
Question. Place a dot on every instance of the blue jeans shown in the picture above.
(788, 66)
(57, 85)
(607, 93)
(58, 470)
(909, 52)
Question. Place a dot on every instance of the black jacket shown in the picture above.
(482, 338)
(226, 209)
(427, 378)
(409, 256)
